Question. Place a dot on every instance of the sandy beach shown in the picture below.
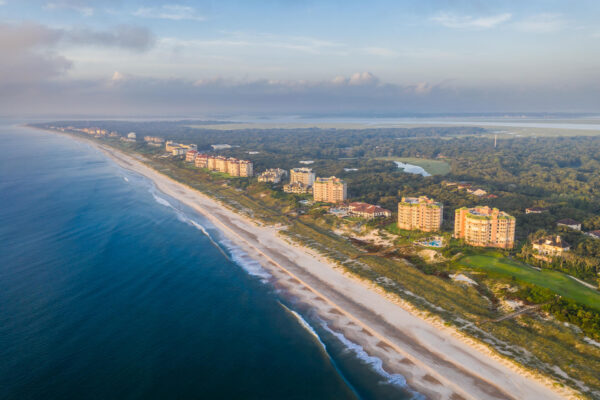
(437, 361)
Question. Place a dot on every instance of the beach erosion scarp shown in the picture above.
(435, 360)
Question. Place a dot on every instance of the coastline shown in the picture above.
(437, 361)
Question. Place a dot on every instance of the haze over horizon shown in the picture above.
(112, 57)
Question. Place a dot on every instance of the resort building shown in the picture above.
(153, 139)
(329, 190)
(246, 168)
(420, 213)
(368, 211)
(221, 164)
(303, 175)
(550, 247)
(190, 156)
(131, 135)
(201, 161)
(177, 151)
(297, 188)
(170, 146)
(569, 223)
(485, 227)
(273, 175)
(233, 166)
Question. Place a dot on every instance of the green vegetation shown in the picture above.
(558, 173)
(556, 281)
(434, 167)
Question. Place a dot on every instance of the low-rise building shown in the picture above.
(569, 223)
(550, 247)
(420, 213)
(297, 188)
(190, 156)
(201, 161)
(178, 151)
(153, 139)
(273, 175)
(485, 227)
(330, 190)
(131, 135)
(368, 211)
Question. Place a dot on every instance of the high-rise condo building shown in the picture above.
(329, 190)
(485, 227)
(420, 213)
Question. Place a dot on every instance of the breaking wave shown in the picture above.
(224, 245)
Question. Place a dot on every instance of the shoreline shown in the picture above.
(437, 361)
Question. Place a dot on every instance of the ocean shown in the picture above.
(110, 289)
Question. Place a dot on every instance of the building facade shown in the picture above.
(329, 190)
(304, 176)
(297, 188)
(368, 211)
(420, 213)
(273, 175)
(485, 227)
(190, 156)
(550, 247)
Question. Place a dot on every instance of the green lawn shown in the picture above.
(434, 167)
(553, 280)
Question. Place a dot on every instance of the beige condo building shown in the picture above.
(420, 213)
(485, 227)
(304, 176)
(329, 190)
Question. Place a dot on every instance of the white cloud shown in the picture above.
(469, 22)
(542, 23)
(172, 12)
(72, 5)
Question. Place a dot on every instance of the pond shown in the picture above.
(412, 169)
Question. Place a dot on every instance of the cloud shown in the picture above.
(77, 5)
(172, 12)
(29, 49)
(469, 22)
(124, 36)
(121, 95)
(542, 23)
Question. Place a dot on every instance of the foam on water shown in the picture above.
(374, 362)
(233, 253)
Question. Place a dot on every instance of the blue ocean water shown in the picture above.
(110, 289)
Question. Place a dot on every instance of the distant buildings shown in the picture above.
(273, 175)
(485, 227)
(536, 210)
(569, 223)
(131, 135)
(154, 140)
(420, 213)
(329, 190)
(177, 149)
(550, 247)
(306, 176)
(231, 166)
(297, 188)
(368, 211)
(301, 181)
(220, 146)
(190, 156)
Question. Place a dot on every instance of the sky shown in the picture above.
(117, 57)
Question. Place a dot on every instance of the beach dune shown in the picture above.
(436, 360)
